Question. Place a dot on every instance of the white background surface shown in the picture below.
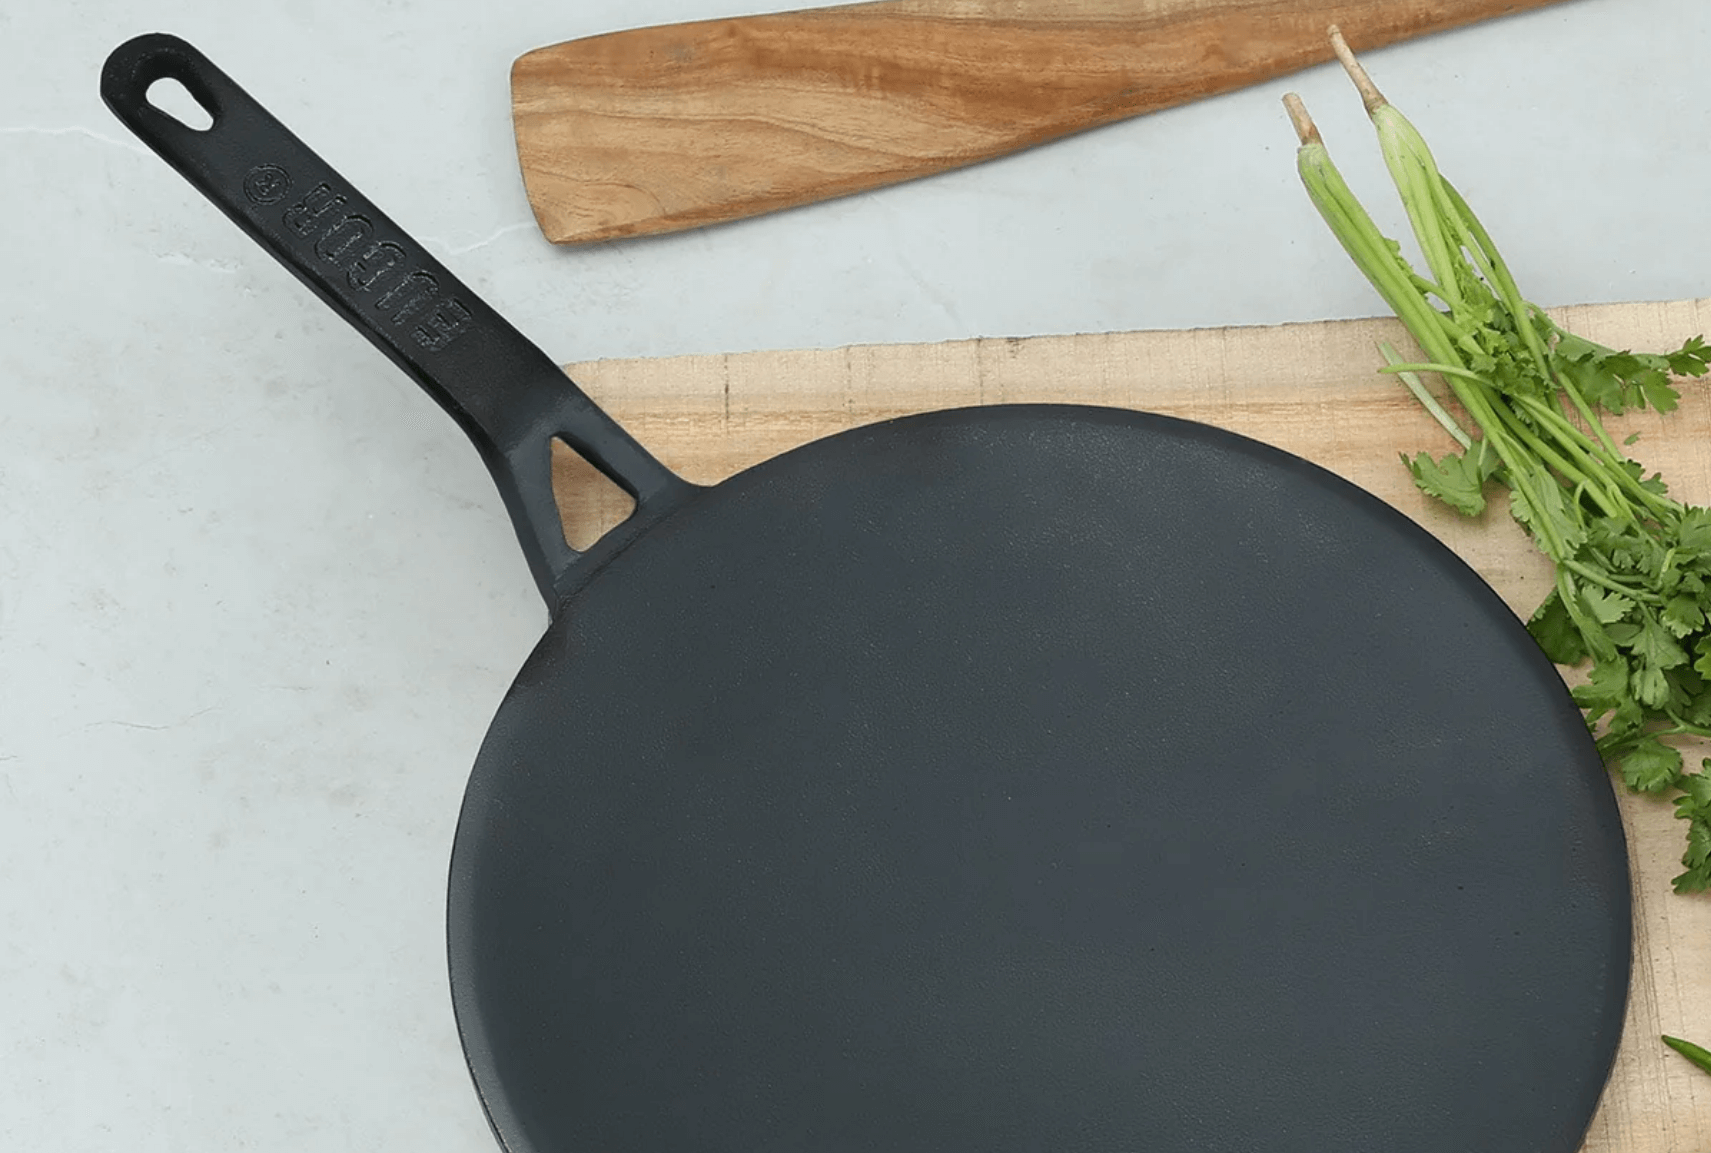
(258, 600)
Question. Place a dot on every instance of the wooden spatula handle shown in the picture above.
(659, 129)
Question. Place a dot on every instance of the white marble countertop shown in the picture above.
(258, 600)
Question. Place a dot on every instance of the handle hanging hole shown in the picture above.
(589, 504)
(177, 101)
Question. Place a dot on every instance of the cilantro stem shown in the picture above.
(1611, 503)
(1364, 243)
(1569, 597)
(1370, 96)
(1613, 745)
(1604, 485)
(1603, 581)
(1522, 474)
(1578, 399)
(1384, 269)
(1682, 728)
(1413, 172)
(1497, 272)
(1692, 1052)
(1440, 369)
(1424, 395)
(1571, 437)
(1354, 229)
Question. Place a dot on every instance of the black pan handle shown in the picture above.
(508, 395)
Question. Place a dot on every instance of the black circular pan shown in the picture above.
(1038, 778)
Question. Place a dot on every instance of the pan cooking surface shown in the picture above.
(1032, 778)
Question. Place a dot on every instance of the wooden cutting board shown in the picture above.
(1311, 389)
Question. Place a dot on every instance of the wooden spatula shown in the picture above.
(660, 129)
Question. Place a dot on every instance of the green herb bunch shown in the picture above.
(1633, 565)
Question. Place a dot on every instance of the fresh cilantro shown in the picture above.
(1656, 647)
(1652, 766)
(1684, 615)
(1695, 530)
(1694, 807)
(1632, 594)
(1458, 480)
(1606, 606)
(1557, 632)
(1605, 688)
(1691, 359)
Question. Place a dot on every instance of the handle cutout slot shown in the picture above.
(169, 95)
(589, 504)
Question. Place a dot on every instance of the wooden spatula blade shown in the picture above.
(660, 129)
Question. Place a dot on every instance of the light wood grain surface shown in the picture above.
(659, 129)
(1310, 389)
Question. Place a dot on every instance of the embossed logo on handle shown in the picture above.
(344, 240)
(267, 184)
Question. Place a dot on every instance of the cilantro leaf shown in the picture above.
(1557, 633)
(1552, 510)
(1659, 393)
(1686, 691)
(1617, 381)
(1694, 531)
(1628, 717)
(1651, 767)
(1574, 349)
(1656, 647)
(1608, 607)
(1582, 362)
(1696, 788)
(1605, 688)
(1624, 633)
(1697, 710)
(1691, 359)
(1652, 484)
(1458, 480)
(1697, 877)
(1694, 807)
(1651, 686)
(1683, 616)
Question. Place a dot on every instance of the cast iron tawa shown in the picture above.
(1039, 778)
(1000, 780)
